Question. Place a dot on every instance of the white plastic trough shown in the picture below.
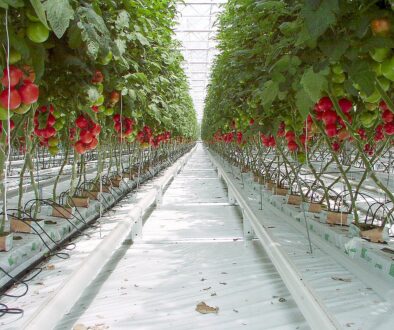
(314, 311)
(62, 300)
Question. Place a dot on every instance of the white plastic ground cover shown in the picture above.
(348, 296)
(309, 303)
(57, 270)
(31, 248)
(61, 301)
(191, 251)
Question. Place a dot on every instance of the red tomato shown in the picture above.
(92, 145)
(98, 77)
(85, 136)
(96, 130)
(115, 97)
(81, 122)
(51, 120)
(380, 26)
(331, 130)
(15, 99)
(80, 147)
(13, 78)
(28, 73)
(346, 105)
(329, 117)
(325, 104)
(292, 145)
(29, 93)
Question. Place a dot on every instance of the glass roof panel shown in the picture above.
(196, 31)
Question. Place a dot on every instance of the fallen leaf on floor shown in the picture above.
(235, 311)
(206, 289)
(282, 300)
(80, 327)
(50, 267)
(341, 279)
(223, 283)
(203, 308)
(39, 283)
(213, 294)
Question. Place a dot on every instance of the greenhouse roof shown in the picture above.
(196, 30)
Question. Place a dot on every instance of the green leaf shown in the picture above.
(314, 84)
(123, 20)
(59, 14)
(38, 54)
(19, 43)
(40, 11)
(94, 31)
(270, 91)
(74, 37)
(361, 74)
(12, 3)
(319, 15)
(334, 48)
(143, 41)
(304, 103)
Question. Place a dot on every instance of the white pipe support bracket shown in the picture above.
(247, 227)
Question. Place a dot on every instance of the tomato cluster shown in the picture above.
(89, 131)
(123, 125)
(19, 89)
(44, 128)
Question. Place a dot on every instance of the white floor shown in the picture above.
(192, 251)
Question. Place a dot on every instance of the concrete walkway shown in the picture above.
(192, 251)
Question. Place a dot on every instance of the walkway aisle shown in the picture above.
(191, 251)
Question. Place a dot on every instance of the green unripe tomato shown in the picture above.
(337, 69)
(338, 78)
(53, 150)
(53, 142)
(99, 101)
(385, 83)
(373, 98)
(108, 58)
(4, 113)
(58, 126)
(380, 54)
(15, 56)
(37, 32)
(338, 90)
(388, 69)
(100, 88)
(23, 108)
(377, 68)
(109, 111)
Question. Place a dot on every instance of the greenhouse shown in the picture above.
(196, 164)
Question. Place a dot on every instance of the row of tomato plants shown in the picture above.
(305, 75)
(76, 76)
